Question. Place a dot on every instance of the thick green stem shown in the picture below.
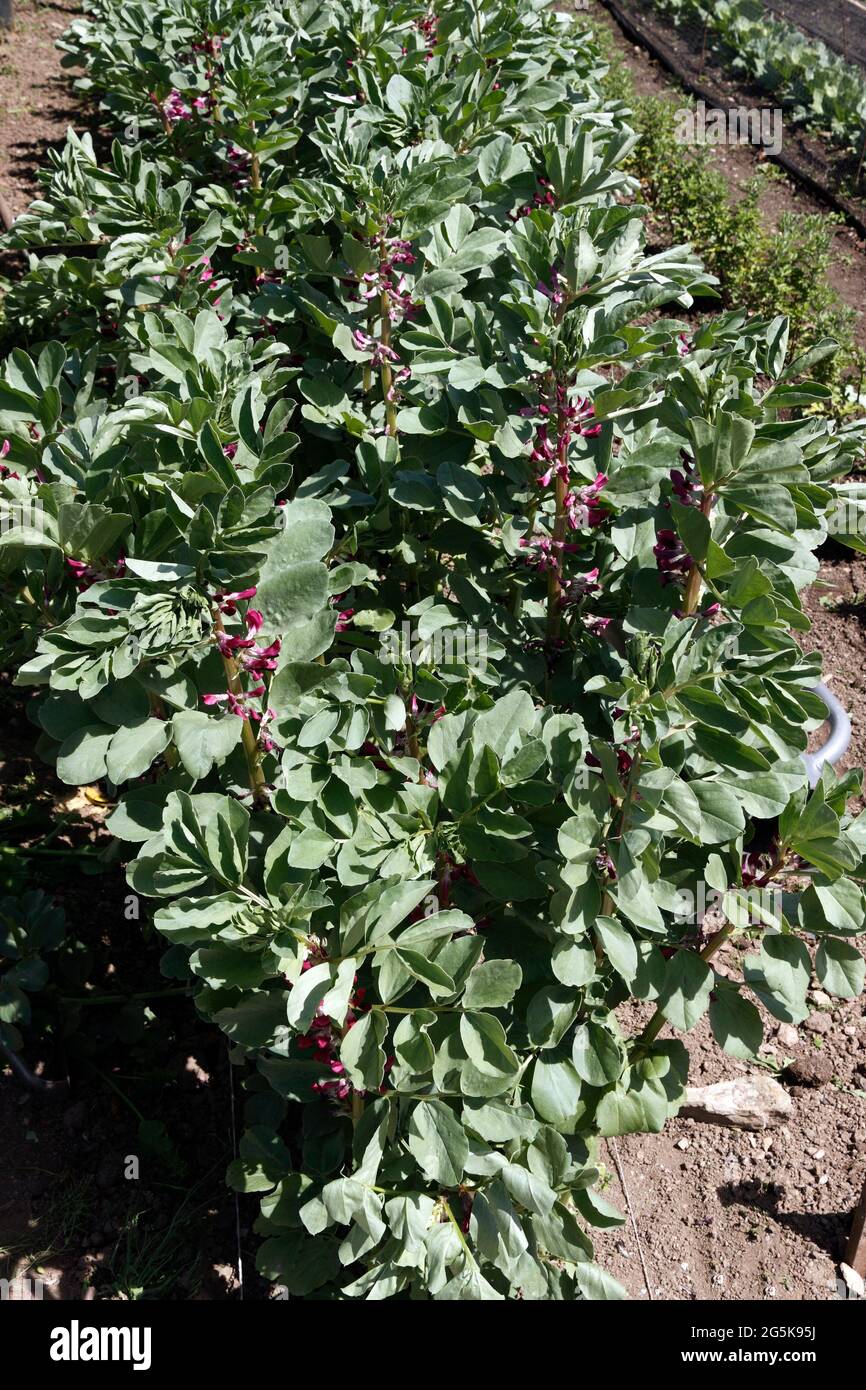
(387, 376)
(560, 520)
(693, 583)
(368, 367)
(252, 752)
(554, 574)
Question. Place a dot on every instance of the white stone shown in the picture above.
(855, 1281)
(749, 1102)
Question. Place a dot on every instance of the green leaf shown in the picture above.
(780, 976)
(596, 1286)
(299, 1262)
(438, 1143)
(484, 1039)
(82, 756)
(840, 968)
(361, 1051)
(133, 749)
(619, 946)
(492, 984)
(437, 980)
(550, 1013)
(556, 1092)
(736, 1024)
(310, 849)
(722, 818)
(685, 994)
(203, 741)
(597, 1056)
(838, 908)
(573, 962)
(306, 996)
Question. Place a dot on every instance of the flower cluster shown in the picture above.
(544, 198)
(672, 559)
(255, 661)
(548, 552)
(239, 165)
(572, 419)
(581, 586)
(428, 28)
(325, 1039)
(582, 507)
(552, 291)
(378, 282)
(380, 352)
(387, 281)
(5, 470)
(176, 109)
(211, 44)
(685, 484)
(86, 575)
(344, 615)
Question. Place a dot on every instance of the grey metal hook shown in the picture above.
(838, 742)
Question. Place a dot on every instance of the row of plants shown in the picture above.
(355, 336)
(816, 85)
(766, 269)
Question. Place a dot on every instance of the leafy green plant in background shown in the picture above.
(434, 384)
(817, 86)
(779, 270)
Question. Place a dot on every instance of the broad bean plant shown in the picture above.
(425, 589)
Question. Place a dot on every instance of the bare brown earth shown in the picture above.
(726, 1214)
(36, 104)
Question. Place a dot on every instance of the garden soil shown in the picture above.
(36, 104)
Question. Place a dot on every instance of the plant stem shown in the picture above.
(554, 574)
(460, 1236)
(258, 785)
(386, 373)
(693, 584)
